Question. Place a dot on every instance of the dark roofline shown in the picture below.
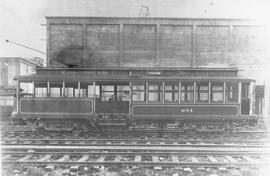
(150, 18)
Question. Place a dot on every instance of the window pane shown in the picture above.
(55, 89)
(138, 92)
(107, 88)
(171, 92)
(41, 89)
(138, 96)
(107, 96)
(86, 90)
(202, 92)
(26, 88)
(217, 97)
(155, 92)
(187, 92)
(123, 93)
(216, 92)
(70, 89)
(231, 92)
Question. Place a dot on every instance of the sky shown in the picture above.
(23, 21)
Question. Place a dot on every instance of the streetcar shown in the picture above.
(201, 99)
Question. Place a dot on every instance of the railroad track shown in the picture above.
(135, 142)
(49, 157)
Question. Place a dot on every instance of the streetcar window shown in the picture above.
(123, 93)
(41, 89)
(87, 90)
(202, 92)
(231, 94)
(71, 89)
(186, 92)
(56, 89)
(138, 92)
(171, 92)
(155, 92)
(107, 93)
(26, 89)
(217, 92)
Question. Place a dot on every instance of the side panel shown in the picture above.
(55, 106)
(158, 111)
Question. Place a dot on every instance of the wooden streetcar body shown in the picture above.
(135, 98)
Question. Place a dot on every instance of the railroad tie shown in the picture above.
(6, 157)
(175, 159)
(251, 160)
(74, 169)
(138, 158)
(212, 159)
(155, 159)
(101, 158)
(117, 158)
(64, 158)
(49, 168)
(194, 160)
(83, 158)
(231, 159)
(45, 158)
(24, 158)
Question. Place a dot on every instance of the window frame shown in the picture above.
(139, 91)
(159, 92)
(185, 92)
(174, 91)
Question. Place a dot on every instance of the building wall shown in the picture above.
(153, 42)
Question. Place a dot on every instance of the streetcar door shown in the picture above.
(114, 98)
(245, 99)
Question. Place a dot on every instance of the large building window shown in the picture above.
(138, 92)
(41, 88)
(217, 92)
(26, 89)
(202, 91)
(231, 94)
(56, 89)
(155, 92)
(171, 92)
(187, 92)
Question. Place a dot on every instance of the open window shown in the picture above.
(217, 92)
(231, 92)
(26, 89)
(202, 91)
(155, 92)
(56, 88)
(187, 92)
(41, 88)
(171, 92)
(138, 92)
